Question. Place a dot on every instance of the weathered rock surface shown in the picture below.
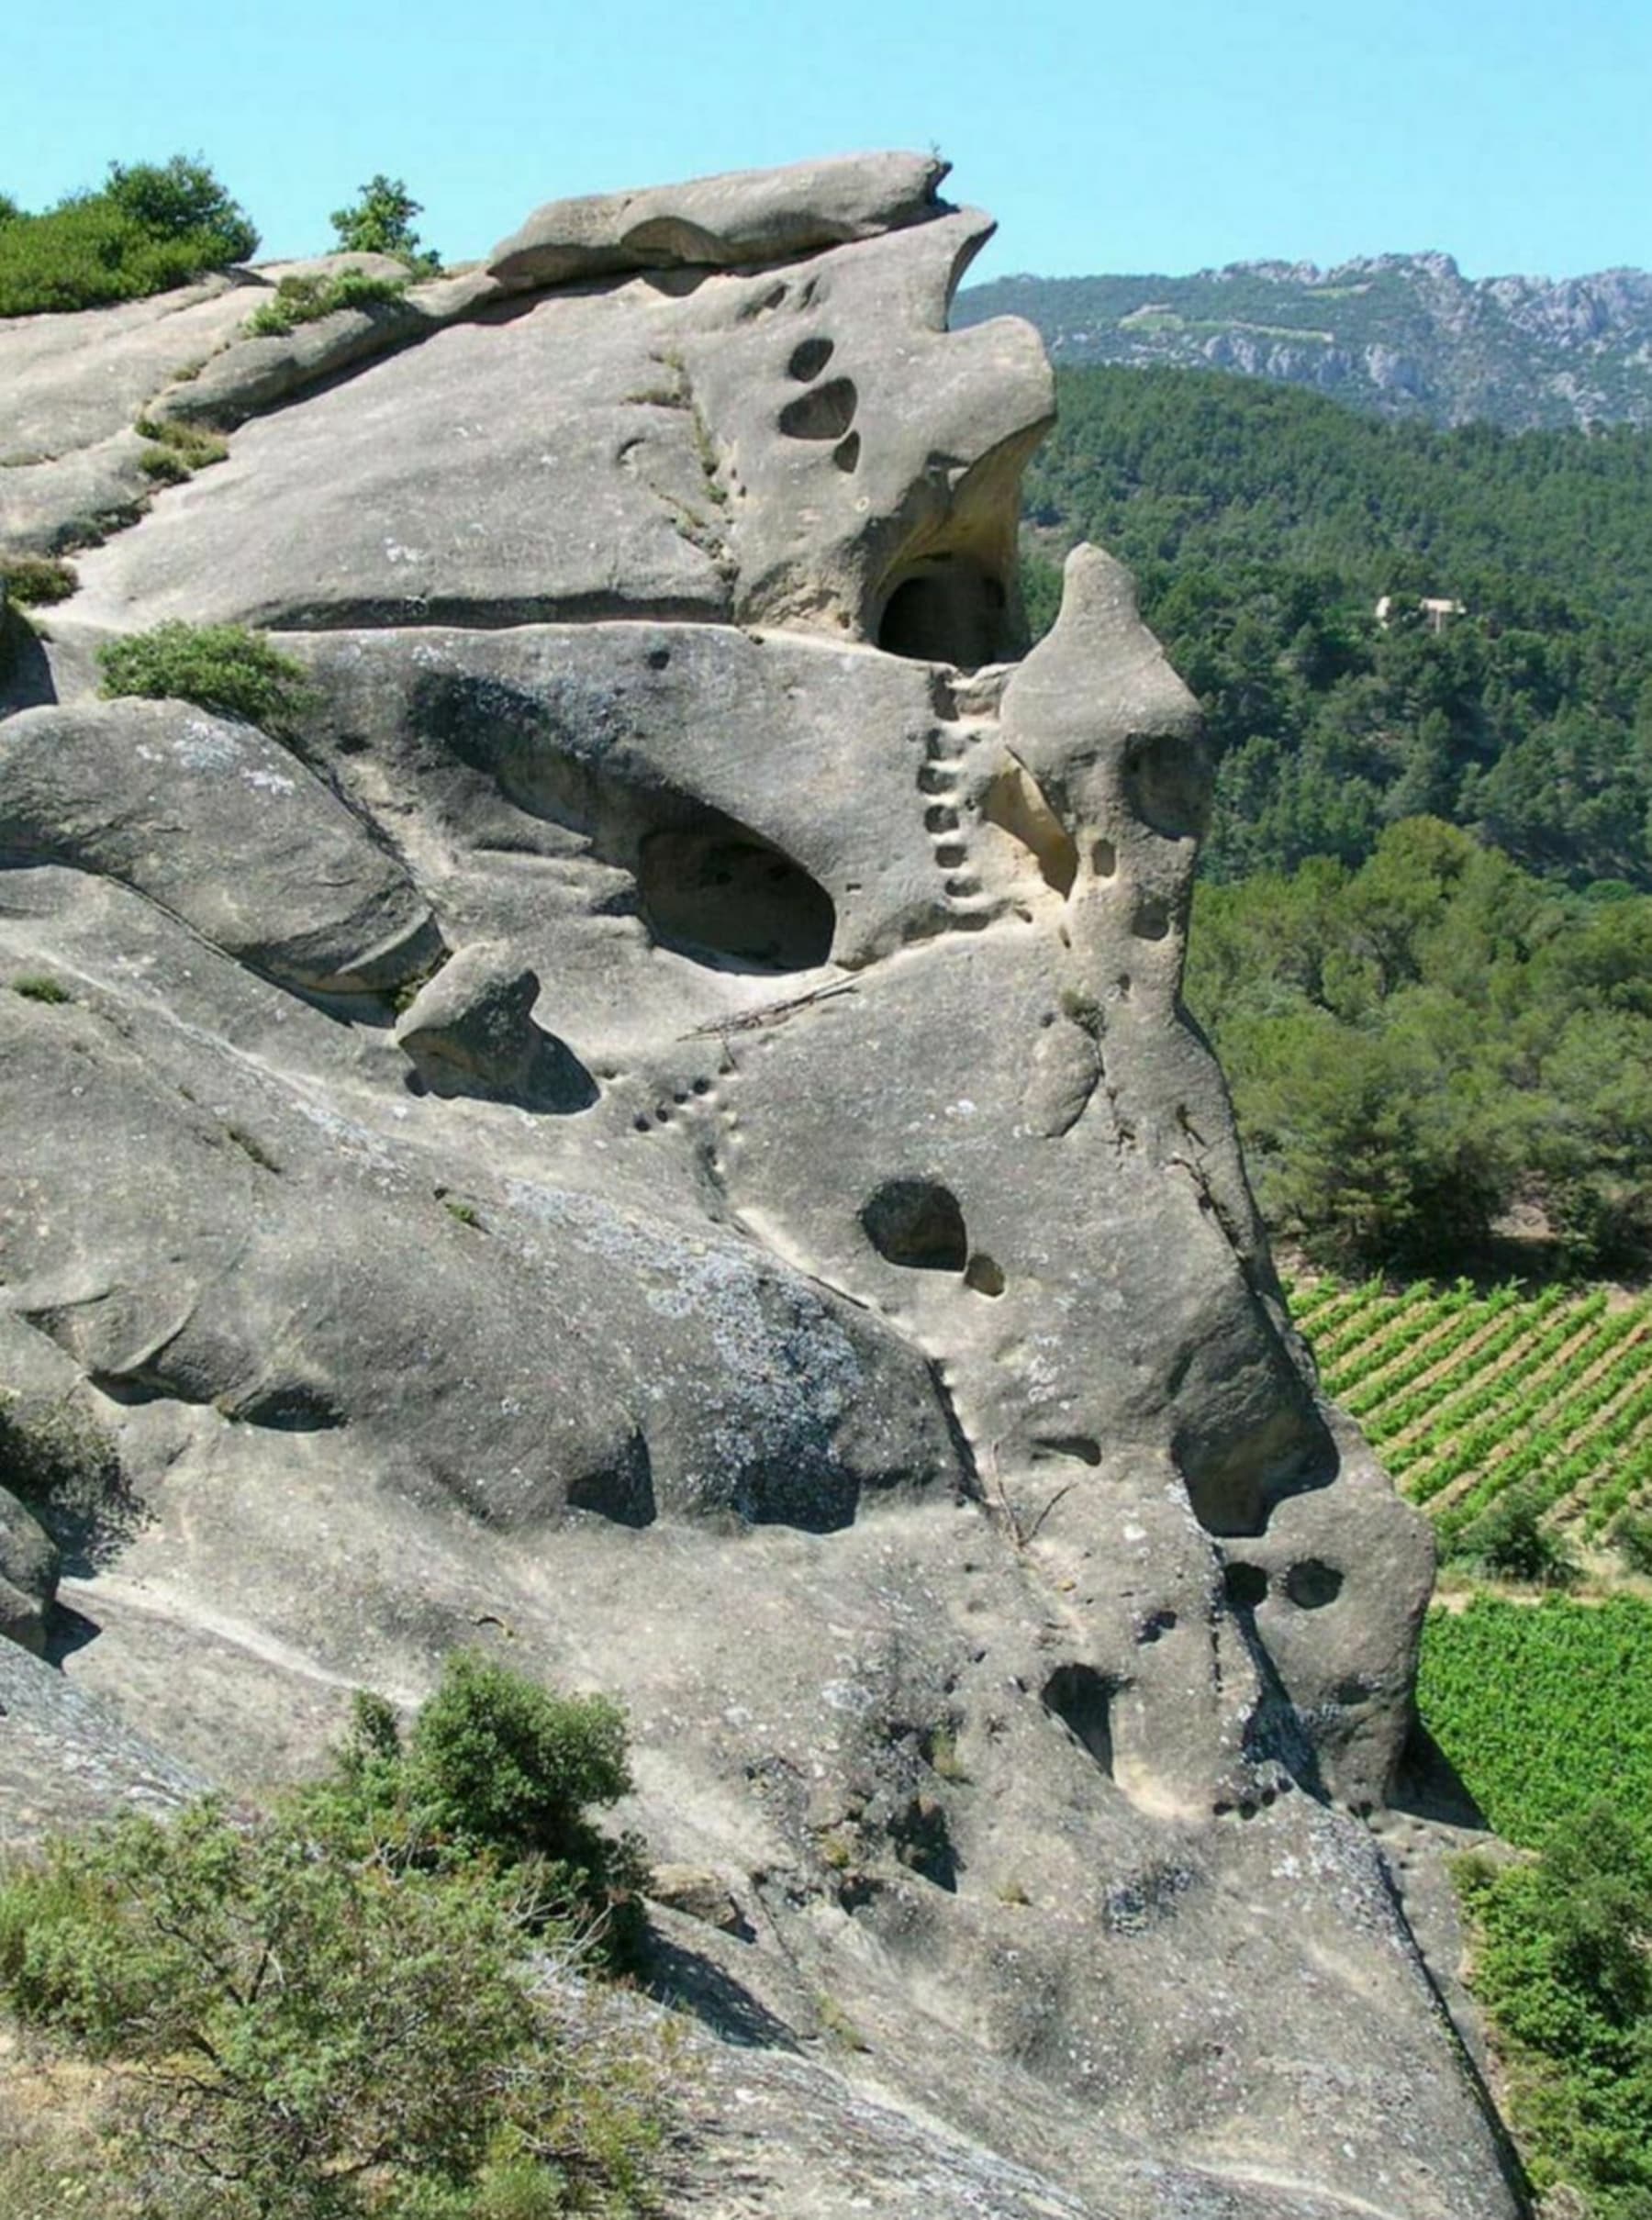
(746, 216)
(72, 388)
(67, 1758)
(28, 1574)
(208, 819)
(656, 1131)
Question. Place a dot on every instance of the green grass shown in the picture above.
(177, 451)
(35, 581)
(1545, 1713)
(304, 300)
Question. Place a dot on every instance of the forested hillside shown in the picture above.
(1265, 525)
(1421, 941)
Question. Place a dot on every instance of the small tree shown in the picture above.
(381, 222)
(1510, 1542)
(361, 2005)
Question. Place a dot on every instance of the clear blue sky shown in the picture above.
(1156, 135)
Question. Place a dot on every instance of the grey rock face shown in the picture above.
(705, 460)
(471, 1030)
(656, 1129)
(28, 1574)
(717, 223)
(206, 818)
(67, 1759)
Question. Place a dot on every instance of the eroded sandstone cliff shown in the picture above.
(653, 1125)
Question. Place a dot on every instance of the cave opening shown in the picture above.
(952, 609)
(722, 896)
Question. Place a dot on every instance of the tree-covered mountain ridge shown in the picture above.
(1402, 336)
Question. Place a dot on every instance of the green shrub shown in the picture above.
(1561, 1965)
(218, 666)
(182, 199)
(1510, 1542)
(381, 222)
(1632, 1538)
(312, 2022)
(163, 466)
(152, 227)
(36, 987)
(497, 1767)
(57, 1459)
(303, 300)
(35, 581)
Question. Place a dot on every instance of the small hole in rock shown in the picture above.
(1167, 782)
(1245, 1585)
(621, 1491)
(809, 357)
(983, 1275)
(942, 817)
(1312, 1584)
(917, 1223)
(825, 412)
(1104, 858)
(846, 454)
(953, 611)
(723, 897)
(1081, 1698)
(658, 658)
(950, 854)
(1151, 919)
(1083, 1446)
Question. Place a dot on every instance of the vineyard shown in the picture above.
(1543, 1711)
(1475, 1400)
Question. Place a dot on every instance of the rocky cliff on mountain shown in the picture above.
(1403, 336)
(646, 1122)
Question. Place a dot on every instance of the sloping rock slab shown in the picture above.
(217, 823)
(746, 216)
(67, 1758)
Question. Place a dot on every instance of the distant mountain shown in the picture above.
(1398, 335)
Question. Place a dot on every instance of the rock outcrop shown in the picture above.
(653, 1127)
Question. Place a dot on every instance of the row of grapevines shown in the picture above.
(1469, 1394)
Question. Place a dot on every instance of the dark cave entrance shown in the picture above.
(951, 610)
(719, 895)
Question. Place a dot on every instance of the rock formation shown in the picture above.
(651, 1125)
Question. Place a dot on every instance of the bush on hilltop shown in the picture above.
(150, 227)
